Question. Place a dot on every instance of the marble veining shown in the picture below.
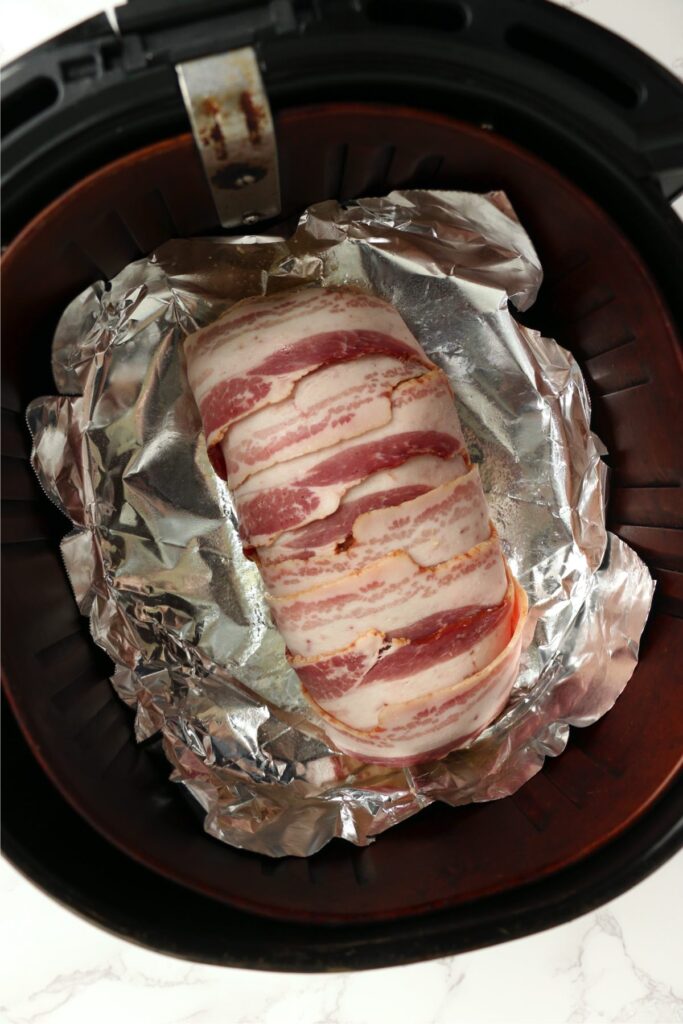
(620, 964)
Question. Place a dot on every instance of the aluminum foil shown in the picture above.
(155, 560)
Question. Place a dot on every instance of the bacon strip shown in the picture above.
(383, 489)
(326, 407)
(424, 421)
(377, 657)
(432, 724)
(256, 352)
(423, 666)
(431, 528)
(389, 595)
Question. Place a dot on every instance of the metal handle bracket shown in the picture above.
(234, 134)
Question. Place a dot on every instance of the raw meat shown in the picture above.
(293, 493)
(384, 489)
(342, 447)
(391, 595)
(328, 406)
(431, 725)
(431, 528)
(256, 352)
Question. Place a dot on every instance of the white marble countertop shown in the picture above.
(621, 963)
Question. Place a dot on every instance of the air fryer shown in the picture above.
(585, 134)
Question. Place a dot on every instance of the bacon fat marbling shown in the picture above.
(341, 443)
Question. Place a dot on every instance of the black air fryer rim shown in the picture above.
(638, 173)
(581, 97)
(142, 907)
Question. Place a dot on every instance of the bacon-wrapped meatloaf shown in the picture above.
(343, 451)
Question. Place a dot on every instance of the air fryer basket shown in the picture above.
(442, 881)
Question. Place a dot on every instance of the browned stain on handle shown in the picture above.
(253, 115)
(213, 134)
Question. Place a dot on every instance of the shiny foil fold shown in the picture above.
(155, 559)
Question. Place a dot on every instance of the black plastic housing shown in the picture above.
(576, 96)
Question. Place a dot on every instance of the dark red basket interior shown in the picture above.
(598, 299)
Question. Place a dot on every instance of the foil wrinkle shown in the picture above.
(155, 559)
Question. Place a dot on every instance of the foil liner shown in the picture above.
(155, 559)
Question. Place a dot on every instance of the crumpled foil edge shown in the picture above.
(155, 560)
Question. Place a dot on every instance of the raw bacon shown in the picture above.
(331, 405)
(355, 495)
(391, 595)
(431, 528)
(257, 351)
(421, 667)
(381, 490)
(435, 723)
(383, 660)
(290, 494)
